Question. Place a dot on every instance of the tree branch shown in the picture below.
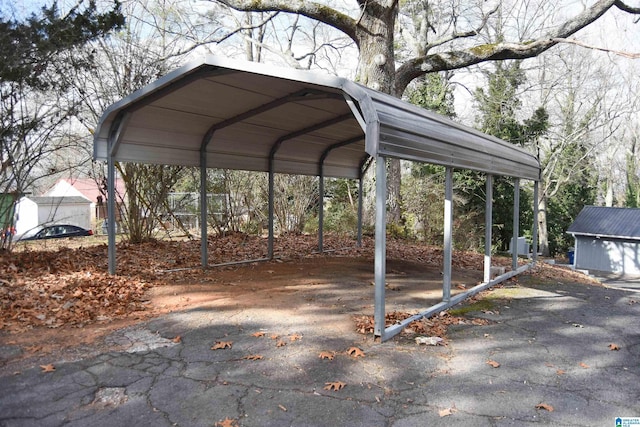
(456, 59)
(626, 8)
(309, 9)
(629, 55)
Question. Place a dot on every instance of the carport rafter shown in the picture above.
(165, 116)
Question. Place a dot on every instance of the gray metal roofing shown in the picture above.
(240, 113)
(607, 222)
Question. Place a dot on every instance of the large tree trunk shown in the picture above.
(376, 69)
(543, 231)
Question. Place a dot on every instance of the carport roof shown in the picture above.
(221, 113)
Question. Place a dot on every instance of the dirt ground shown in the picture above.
(60, 302)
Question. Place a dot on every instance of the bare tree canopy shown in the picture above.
(460, 45)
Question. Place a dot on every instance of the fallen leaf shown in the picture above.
(283, 408)
(295, 337)
(493, 363)
(177, 339)
(584, 365)
(222, 345)
(544, 406)
(281, 343)
(560, 372)
(254, 357)
(274, 337)
(447, 412)
(257, 334)
(334, 385)
(326, 355)
(613, 347)
(227, 422)
(355, 352)
(48, 368)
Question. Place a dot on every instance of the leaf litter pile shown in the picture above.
(70, 287)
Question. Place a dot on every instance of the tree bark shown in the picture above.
(543, 229)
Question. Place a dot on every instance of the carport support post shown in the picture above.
(381, 247)
(360, 204)
(271, 210)
(448, 233)
(536, 214)
(111, 214)
(204, 256)
(516, 223)
(488, 224)
(321, 209)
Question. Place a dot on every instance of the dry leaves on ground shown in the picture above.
(227, 422)
(48, 285)
(334, 385)
(326, 355)
(544, 406)
(254, 357)
(493, 363)
(220, 345)
(435, 326)
(355, 352)
(47, 368)
(613, 347)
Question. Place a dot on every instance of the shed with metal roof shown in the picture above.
(607, 239)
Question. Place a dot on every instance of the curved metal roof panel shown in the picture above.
(239, 114)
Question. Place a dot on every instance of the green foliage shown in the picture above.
(566, 204)
(498, 106)
(632, 194)
(433, 92)
(29, 48)
(35, 56)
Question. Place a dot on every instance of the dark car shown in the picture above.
(57, 232)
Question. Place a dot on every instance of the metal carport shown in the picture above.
(219, 113)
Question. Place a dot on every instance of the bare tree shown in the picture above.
(446, 36)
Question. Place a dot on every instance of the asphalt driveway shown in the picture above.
(560, 354)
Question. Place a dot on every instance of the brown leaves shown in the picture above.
(221, 345)
(295, 337)
(48, 368)
(584, 365)
(355, 352)
(334, 385)
(613, 347)
(254, 357)
(257, 334)
(493, 363)
(227, 422)
(326, 355)
(435, 326)
(544, 406)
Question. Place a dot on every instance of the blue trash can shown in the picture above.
(570, 255)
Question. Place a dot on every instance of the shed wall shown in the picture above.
(72, 213)
(609, 255)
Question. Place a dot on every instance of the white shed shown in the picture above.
(607, 239)
(33, 211)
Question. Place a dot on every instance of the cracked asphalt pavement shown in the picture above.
(567, 355)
